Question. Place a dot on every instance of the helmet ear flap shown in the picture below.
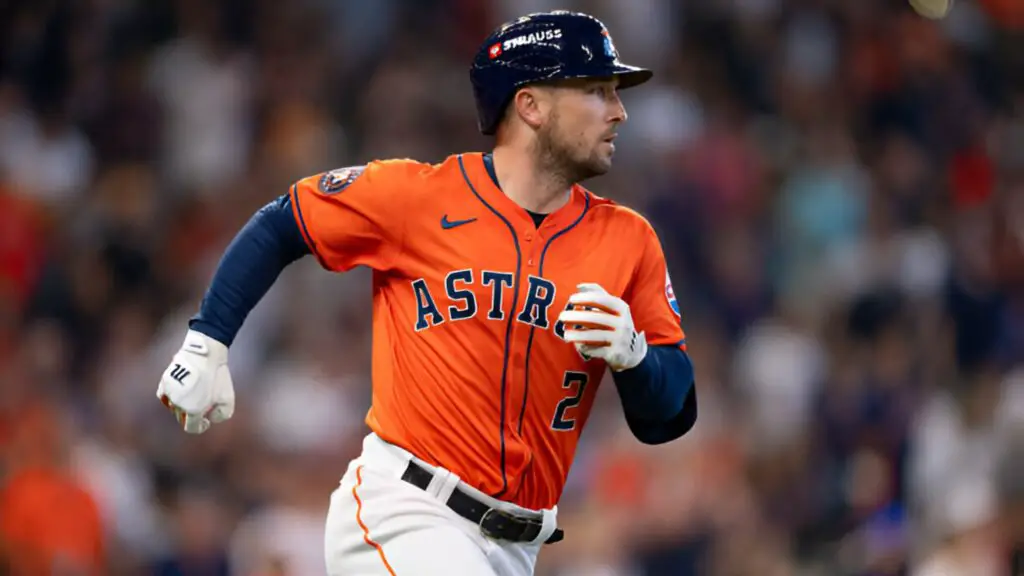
(503, 112)
(491, 101)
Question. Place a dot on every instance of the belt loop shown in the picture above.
(437, 480)
(547, 528)
(450, 482)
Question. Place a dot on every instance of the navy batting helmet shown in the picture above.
(543, 46)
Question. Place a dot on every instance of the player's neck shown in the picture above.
(528, 183)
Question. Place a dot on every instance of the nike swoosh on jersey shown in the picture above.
(449, 224)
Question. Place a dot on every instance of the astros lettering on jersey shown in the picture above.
(470, 371)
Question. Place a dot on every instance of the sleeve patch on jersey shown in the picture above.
(670, 295)
(336, 180)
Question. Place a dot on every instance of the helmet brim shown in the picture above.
(630, 76)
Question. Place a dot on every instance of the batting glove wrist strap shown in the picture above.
(196, 387)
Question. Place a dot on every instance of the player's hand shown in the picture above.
(600, 326)
(197, 386)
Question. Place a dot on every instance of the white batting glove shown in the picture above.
(197, 386)
(603, 328)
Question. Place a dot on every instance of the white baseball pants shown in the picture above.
(380, 525)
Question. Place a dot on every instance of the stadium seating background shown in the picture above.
(839, 187)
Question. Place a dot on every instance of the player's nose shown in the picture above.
(617, 113)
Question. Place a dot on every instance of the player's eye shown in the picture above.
(604, 91)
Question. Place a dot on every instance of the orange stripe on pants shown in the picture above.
(366, 531)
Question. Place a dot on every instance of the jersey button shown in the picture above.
(529, 262)
(528, 237)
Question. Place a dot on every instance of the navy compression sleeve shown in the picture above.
(658, 395)
(265, 246)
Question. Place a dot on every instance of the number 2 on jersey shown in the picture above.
(560, 422)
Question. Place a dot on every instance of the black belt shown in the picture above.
(494, 523)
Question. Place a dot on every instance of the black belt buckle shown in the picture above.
(493, 524)
(503, 526)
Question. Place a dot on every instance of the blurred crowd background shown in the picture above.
(839, 186)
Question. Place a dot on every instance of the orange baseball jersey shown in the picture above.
(470, 371)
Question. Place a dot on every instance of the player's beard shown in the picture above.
(566, 159)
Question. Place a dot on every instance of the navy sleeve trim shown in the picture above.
(658, 395)
(653, 432)
(265, 246)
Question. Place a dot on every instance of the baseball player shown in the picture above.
(502, 292)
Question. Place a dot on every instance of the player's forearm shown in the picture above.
(265, 246)
(656, 389)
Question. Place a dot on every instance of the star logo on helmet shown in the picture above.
(494, 51)
(609, 47)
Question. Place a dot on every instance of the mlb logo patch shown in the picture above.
(670, 295)
(338, 179)
(494, 51)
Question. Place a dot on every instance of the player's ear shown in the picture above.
(531, 104)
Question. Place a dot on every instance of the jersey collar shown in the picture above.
(480, 173)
